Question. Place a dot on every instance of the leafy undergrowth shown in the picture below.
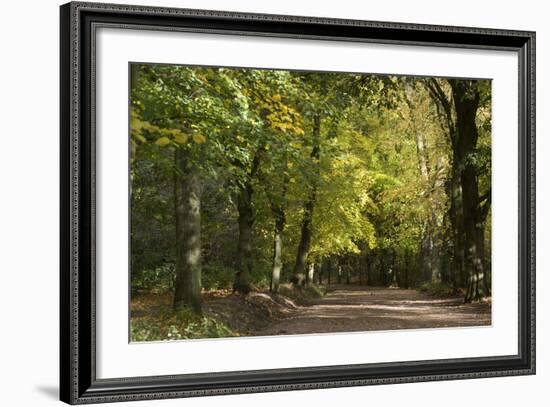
(153, 319)
(225, 314)
(166, 324)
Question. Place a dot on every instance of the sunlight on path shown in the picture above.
(353, 308)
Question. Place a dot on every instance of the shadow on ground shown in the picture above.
(361, 308)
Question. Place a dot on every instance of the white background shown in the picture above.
(117, 358)
(29, 205)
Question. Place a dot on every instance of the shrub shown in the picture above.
(159, 278)
(217, 276)
(183, 324)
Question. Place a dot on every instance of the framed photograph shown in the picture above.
(254, 203)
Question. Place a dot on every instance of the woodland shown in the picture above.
(258, 196)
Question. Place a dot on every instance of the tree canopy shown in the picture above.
(247, 178)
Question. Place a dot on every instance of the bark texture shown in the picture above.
(244, 262)
(277, 251)
(466, 99)
(188, 235)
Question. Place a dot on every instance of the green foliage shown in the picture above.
(217, 276)
(157, 278)
(184, 324)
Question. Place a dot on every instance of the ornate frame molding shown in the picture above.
(77, 177)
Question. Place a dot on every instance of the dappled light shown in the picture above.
(271, 202)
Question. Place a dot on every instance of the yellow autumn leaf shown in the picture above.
(139, 137)
(181, 138)
(162, 141)
(199, 138)
(135, 123)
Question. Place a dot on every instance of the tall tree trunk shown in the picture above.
(430, 255)
(277, 251)
(370, 279)
(437, 184)
(458, 272)
(473, 236)
(444, 106)
(363, 264)
(382, 264)
(307, 220)
(310, 273)
(278, 210)
(244, 244)
(397, 271)
(407, 265)
(245, 209)
(466, 99)
(188, 235)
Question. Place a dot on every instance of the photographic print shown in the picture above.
(275, 202)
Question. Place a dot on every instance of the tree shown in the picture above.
(460, 109)
(188, 236)
(467, 96)
(272, 118)
(173, 107)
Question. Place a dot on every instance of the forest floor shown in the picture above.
(344, 308)
(359, 308)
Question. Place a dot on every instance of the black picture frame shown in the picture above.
(78, 382)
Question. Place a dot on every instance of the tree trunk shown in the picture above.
(466, 99)
(458, 273)
(244, 245)
(407, 265)
(188, 236)
(307, 220)
(430, 255)
(310, 273)
(426, 255)
(364, 264)
(244, 264)
(397, 271)
(444, 107)
(277, 258)
(474, 255)
(382, 269)
(369, 262)
(278, 211)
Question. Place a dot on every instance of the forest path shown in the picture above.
(360, 308)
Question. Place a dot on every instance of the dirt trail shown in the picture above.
(360, 308)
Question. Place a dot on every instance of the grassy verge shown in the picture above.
(169, 325)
